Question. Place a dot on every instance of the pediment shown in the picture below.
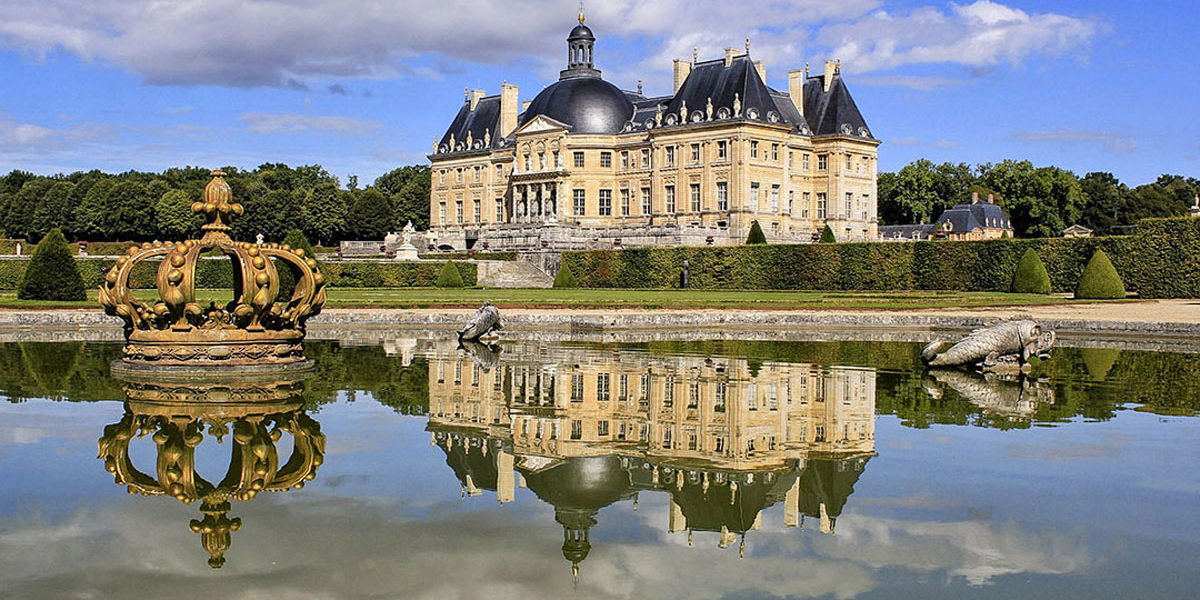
(542, 123)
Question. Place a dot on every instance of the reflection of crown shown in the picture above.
(178, 428)
(252, 328)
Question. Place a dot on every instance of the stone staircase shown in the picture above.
(511, 274)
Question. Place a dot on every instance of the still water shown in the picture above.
(722, 469)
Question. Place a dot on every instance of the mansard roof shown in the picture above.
(969, 216)
(481, 123)
(832, 112)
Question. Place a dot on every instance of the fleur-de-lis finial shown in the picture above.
(217, 203)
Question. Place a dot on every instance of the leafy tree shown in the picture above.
(18, 219)
(920, 191)
(372, 214)
(1100, 279)
(1041, 202)
(827, 235)
(1104, 201)
(394, 181)
(174, 217)
(131, 216)
(91, 216)
(52, 273)
(564, 278)
(1030, 276)
(272, 213)
(450, 277)
(55, 210)
(412, 202)
(756, 234)
(324, 213)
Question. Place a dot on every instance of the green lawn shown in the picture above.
(606, 298)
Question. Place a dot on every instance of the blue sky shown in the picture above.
(364, 86)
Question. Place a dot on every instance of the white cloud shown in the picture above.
(982, 34)
(1113, 142)
(29, 137)
(296, 123)
(913, 82)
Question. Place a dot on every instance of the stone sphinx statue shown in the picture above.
(1002, 346)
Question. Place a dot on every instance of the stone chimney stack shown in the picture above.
(508, 109)
(476, 96)
(796, 79)
(729, 54)
(525, 105)
(683, 68)
(830, 71)
(762, 71)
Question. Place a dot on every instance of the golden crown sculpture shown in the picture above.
(254, 414)
(252, 329)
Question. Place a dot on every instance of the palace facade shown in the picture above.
(588, 165)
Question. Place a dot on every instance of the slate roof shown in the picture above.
(484, 119)
(969, 216)
(888, 232)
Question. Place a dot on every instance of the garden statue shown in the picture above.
(1006, 345)
(258, 239)
(254, 330)
(1015, 397)
(485, 356)
(485, 320)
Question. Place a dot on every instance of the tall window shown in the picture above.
(606, 159)
(625, 202)
(499, 171)
(670, 208)
(577, 387)
(805, 161)
(478, 211)
(602, 387)
(821, 205)
(606, 203)
(791, 158)
(459, 174)
(722, 150)
(557, 160)
(791, 203)
(580, 200)
(669, 155)
(528, 163)
(647, 208)
(722, 196)
(695, 191)
(669, 392)
(577, 159)
(478, 171)
(822, 162)
(458, 211)
(442, 213)
(775, 198)
(754, 197)
(623, 387)
(499, 210)
(849, 204)
(695, 153)
(645, 158)
(753, 149)
(805, 203)
(541, 161)
(774, 151)
(625, 159)
(849, 163)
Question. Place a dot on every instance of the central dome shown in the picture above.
(587, 104)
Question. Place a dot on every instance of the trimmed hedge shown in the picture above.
(1165, 261)
(218, 273)
(756, 234)
(1100, 279)
(51, 274)
(564, 279)
(449, 277)
(959, 266)
(1031, 276)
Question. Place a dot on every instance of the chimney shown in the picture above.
(525, 105)
(508, 109)
(683, 68)
(729, 54)
(974, 197)
(991, 198)
(476, 96)
(830, 71)
(796, 80)
(762, 71)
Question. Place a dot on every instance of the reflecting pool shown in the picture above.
(408, 467)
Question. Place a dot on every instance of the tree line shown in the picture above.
(139, 206)
(1041, 201)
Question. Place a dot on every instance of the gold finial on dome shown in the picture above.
(581, 12)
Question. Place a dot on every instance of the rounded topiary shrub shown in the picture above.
(51, 274)
(565, 278)
(1100, 279)
(827, 236)
(756, 234)
(1031, 276)
(450, 277)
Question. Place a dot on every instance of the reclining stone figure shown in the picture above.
(484, 321)
(1003, 346)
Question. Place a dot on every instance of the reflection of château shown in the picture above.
(584, 428)
(253, 415)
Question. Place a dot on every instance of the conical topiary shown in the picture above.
(565, 278)
(1031, 276)
(450, 277)
(756, 234)
(1100, 279)
(51, 274)
(827, 236)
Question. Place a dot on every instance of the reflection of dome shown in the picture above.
(587, 104)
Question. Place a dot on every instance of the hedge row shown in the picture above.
(963, 266)
(1160, 260)
(464, 256)
(218, 273)
(9, 246)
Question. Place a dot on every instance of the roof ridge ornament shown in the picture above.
(581, 12)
